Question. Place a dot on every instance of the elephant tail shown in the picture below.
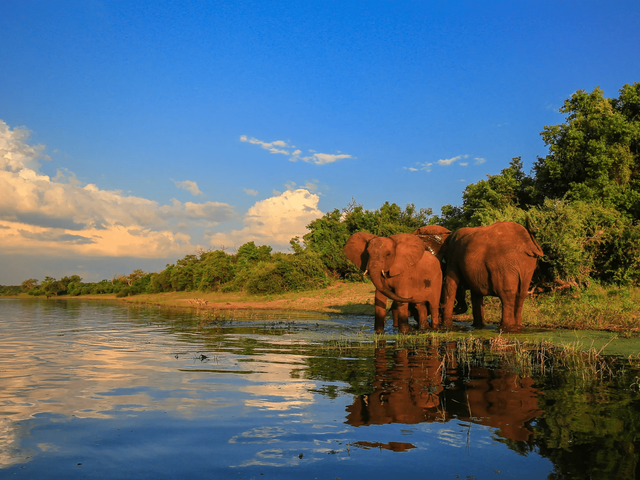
(535, 250)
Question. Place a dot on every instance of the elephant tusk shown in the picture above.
(365, 272)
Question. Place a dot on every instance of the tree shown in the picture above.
(135, 276)
(29, 284)
(594, 155)
(250, 251)
(510, 188)
(52, 286)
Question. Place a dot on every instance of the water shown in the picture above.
(94, 390)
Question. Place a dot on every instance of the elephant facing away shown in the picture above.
(400, 269)
(498, 261)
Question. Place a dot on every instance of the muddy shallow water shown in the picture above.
(96, 390)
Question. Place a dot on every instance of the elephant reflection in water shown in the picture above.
(408, 388)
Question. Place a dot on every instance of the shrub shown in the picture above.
(289, 273)
(581, 241)
(124, 292)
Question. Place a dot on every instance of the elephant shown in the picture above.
(498, 261)
(434, 237)
(400, 268)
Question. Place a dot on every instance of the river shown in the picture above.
(105, 390)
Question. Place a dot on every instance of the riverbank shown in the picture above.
(596, 308)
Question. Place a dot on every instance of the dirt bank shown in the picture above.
(345, 298)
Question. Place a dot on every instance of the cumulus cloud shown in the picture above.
(251, 192)
(478, 161)
(189, 186)
(273, 221)
(61, 216)
(279, 146)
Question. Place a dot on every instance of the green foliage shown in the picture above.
(215, 269)
(6, 290)
(328, 235)
(584, 196)
(288, 273)
(250, 252)
(594, 155)
(581, 241)
(510, 188)
(30, 284)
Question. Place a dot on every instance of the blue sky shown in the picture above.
(134, 133)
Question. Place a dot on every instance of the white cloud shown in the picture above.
(251, 192)
(271, 147)
(273, 221)
(321, 158)
(279, 145)
(420, 166)
(478, 161)
(62, 217)
(449, 161)
(464, 164)
(189, 186)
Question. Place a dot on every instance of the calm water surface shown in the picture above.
(93, 390)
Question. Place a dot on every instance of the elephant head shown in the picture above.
(433, 237)
(390, 257)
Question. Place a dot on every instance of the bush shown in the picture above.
(289, 273)
(124, 292)
(581, 241)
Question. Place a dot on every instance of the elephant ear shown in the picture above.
(355, 249)
(409, 250)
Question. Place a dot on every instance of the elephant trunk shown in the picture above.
(378, 278)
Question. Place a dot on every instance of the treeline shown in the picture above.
(583, 198)
(317, 258)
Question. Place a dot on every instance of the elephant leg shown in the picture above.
(394, 313)
(525, 281)
(422, 316)
(448, 297)
(414, 310)
(380, 301)
(508, 322)
(518, 304)
(461, 306)
(403, 317)
(477, 304)
(433, 307)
